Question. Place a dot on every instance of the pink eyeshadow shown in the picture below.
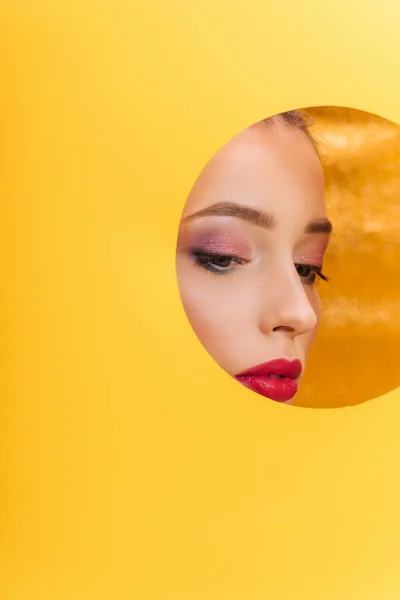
(219, 243)
(312, 253)
(311, 258)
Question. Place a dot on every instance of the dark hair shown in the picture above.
(290, 117)
(293, 118)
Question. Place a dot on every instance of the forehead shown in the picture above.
(273, 168)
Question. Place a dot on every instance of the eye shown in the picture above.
(309, 273)
(217, 263)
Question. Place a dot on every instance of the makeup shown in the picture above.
(309, 258)
(276, 379)
(223, 245)
(311, 250)
(216, 241)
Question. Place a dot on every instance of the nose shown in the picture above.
(287, 307)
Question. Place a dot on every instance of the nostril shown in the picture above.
(283, 328)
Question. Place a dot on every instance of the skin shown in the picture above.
(262, 306)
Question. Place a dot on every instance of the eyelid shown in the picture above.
(314, 259)
(214, 252)
(213, 268)
(310, 265)
(219, 242)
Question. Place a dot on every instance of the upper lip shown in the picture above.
(278, 366)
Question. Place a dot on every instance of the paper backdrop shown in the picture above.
(132, 466)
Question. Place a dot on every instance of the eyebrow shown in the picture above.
(257, 217)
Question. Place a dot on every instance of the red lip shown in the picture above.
(282, 386)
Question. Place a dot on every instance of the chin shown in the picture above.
(288, 402)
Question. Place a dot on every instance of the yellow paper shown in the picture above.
(116, 482)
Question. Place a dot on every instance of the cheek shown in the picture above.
(199, 299)
(308, 339)
(317, 306)
(213, 313)
(219, 311)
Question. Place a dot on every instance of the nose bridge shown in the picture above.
(286, 304)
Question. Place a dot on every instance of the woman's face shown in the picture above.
(250, 249)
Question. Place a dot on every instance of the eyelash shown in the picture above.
(207, 261)
(314, 273)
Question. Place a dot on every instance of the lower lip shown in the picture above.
(281, 389)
